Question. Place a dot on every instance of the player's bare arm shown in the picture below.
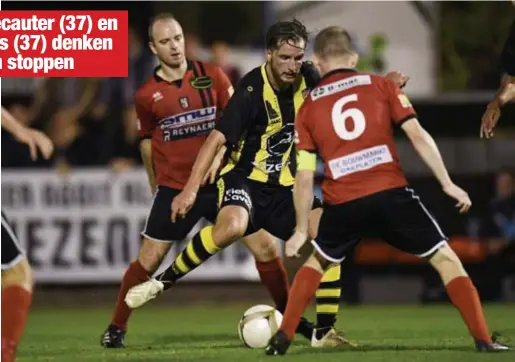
(428, 150)
(210, 176)
(145, 148)
(504, 95)
(31, 137)
(303, 199)
(183, 202)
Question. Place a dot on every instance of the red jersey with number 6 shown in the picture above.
(349, 118)
(178, 117)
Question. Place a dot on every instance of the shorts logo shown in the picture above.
(238, 195)
(184, 102)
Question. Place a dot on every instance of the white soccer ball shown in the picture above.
(258, 324)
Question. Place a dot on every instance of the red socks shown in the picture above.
(135, 275)
(465, 298)
(15, 308)
(304, 287)
(274, 276)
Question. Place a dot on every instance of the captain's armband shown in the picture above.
(306, 161)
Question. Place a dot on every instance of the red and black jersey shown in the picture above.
(178, 116)
(349, 118)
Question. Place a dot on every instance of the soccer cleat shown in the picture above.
(495, 346)
(305, 328)
(278, 344)
(142, 293)
(113, 337)
(331, 339)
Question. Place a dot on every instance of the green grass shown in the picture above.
(386, 333)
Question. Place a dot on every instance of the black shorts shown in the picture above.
(159, 225)
(397, 216)
(12, 252)
(270, 207)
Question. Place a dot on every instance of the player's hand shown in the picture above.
(294, 244)
(489, 120)
(210, 176)
(458, 194)
(183, 203)
(398, 78)
(36, 140)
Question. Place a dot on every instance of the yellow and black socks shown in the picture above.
(198, 250)
(328, 300)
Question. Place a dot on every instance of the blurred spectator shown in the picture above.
(192, 45)
(500, 226)
(126, 143)
(220, 57)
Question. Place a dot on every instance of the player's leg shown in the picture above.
(17, 286)
(270, 266)
(327, 296)
(331, 246)
(231, 224)
(158, 236)
(411, 228)
(273, 274)
(464, 296)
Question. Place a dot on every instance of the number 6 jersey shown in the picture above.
(348, 119)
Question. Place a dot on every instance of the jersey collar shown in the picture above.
(339, 70)
(157, 78)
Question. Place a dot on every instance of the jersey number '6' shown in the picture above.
(339, 116)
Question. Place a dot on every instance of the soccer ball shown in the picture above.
(258, 324)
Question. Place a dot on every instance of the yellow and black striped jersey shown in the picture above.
(258, 124)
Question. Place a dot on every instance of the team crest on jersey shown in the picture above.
(157, 96)
(203, 82)
(184, 102)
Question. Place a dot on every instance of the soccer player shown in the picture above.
(17, 282)
(349, 119)
(506, 92)
(255, 187)
(177, 108)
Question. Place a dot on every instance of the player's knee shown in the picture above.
(447, 264)
(318, 262)
(263, 246)
(231, 225)
(20, 274)
(152, 253)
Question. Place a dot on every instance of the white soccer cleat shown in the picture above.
(332, 339)
(141, 294)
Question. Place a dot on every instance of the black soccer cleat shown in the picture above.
(305, 328)
(495, 346)
(113, 337)
(278, 344)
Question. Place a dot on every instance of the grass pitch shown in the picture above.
(208, 333)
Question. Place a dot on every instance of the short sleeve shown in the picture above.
(401, 109)
(224, 88)
(146, 125)
(237, 115)
(303, 138)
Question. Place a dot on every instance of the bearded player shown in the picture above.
(256, 185)
(349, 119)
